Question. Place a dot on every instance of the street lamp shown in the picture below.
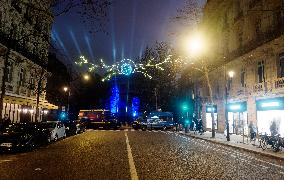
(197, 46)
(65, 89)
(231, 75)
(86, 77)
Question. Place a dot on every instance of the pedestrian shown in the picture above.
(6, 121)
(252, 129)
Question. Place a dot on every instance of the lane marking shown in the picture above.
(133, 172)
(125, 129)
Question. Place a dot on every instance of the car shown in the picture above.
(138, 124)
(56, 129)
(159, 120)
(70, 128)
(23, 136)
(99, 119)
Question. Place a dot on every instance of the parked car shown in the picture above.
(56, 129)
(138, 124)
(70, 128)
(23, 136)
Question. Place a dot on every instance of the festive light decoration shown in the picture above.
(135, 106)
(114, 99)
(128, 67)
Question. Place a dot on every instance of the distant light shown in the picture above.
(65, 89)
(86, 77)
(154, 117)
(209, 109)
(235, 107)
(31, 111)
(45, 111)
(186, 121)
(231, 74)
(270, 104)
(25, 111)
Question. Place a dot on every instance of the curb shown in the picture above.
(236, 147)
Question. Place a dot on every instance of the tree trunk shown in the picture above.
(38, 93)
(211, 100)
(4, 77)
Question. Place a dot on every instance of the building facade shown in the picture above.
(24, 41)
(248, 40)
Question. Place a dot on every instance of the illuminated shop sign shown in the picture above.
(209, 108)
(237, 107)
(270, 104)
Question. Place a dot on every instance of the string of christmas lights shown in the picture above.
(127, 66)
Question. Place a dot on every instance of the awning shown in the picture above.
(28, 102)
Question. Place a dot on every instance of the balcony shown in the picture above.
(260, 87)
(9, 88)
(279, 83)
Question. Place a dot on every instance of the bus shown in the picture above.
(99, 118)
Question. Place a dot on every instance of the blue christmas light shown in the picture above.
(135, 106)
(126, 69)
(114, 99)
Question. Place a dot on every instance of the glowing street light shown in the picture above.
(231, 74)
(65, 89)
(196, 44)
(86, 77)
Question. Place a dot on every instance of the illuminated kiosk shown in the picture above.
(238, 118)
(270, 111)
(209, 118)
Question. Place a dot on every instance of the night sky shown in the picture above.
(133, 25)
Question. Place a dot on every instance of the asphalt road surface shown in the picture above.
(128, 154)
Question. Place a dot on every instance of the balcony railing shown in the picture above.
(259, 87)
(279, 83)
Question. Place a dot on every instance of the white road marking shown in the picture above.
(132, 129)
(133, 172)
(125, 129)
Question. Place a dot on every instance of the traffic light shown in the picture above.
(186, 121)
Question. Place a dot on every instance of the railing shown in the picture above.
(259, 87)
(279, 83)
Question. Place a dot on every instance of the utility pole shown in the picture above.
(156, 99)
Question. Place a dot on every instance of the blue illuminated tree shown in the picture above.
(135, 106)
(114, 99)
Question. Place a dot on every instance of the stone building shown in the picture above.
(24, 41)
(248, 40)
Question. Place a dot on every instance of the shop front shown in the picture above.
(237, 118)
(270, 116)
(209, 110)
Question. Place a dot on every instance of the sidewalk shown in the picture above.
(236, 141)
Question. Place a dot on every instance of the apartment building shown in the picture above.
(24, 41)
(248, 38)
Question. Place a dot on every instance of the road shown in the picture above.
(128, 154)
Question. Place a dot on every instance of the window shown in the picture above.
(243, 74)
(21, 77)
(32, 81)
(281, 66)
(260, 72)
(9, 73)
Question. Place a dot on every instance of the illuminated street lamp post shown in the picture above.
(66, 89)
(196, 45)
(231, 75)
